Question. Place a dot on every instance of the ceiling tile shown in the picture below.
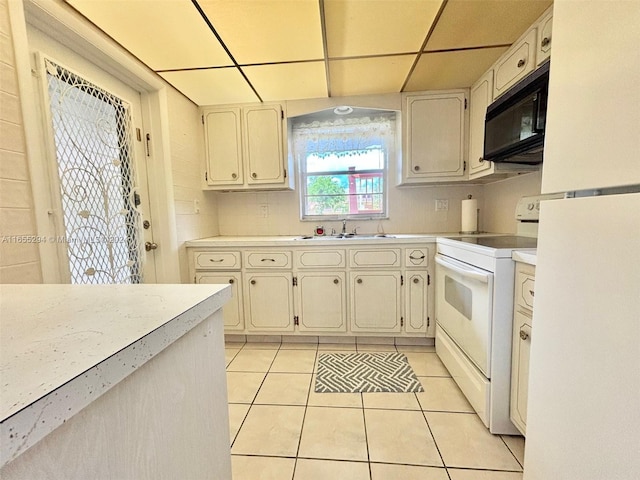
(213, 86)
(477, 23)
(356, 27)
(364, 76)
(459, 69)
(288, 81)
(164, 35)
(264, 31)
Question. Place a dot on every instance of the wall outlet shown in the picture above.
(196, 206)
(263, 211)
(442, 205)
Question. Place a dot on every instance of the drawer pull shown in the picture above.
(216, 261)
(231, 281)
(545, 41)
(268, 260)
(253, 282)
(531, 293)
(336, 281)
(521, 62)
(415, 280)
(416, 258)
(523, 335)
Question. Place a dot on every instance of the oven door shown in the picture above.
(464, 308)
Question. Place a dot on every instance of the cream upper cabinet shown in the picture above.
(544, 37)
(480, 98)
(245, 148)
(434, 137)
(519, 60)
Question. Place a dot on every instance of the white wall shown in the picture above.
(500, 199)
(196, 210)
(19, 262)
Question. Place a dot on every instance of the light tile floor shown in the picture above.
(281, 429)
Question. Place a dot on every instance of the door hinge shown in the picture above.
(202, 119)
(138, 135)
(295, 281)
(281, 114)
(285, 173)
(402, 321)
(428, 279)
(194, 279)
(148, 137)
(206, 176)
(401, 280)
(465, 103)
(296, 320)
(464, 166)
(428, 322)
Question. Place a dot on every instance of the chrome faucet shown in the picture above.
(344, 226)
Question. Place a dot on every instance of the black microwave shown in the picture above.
(515, 122)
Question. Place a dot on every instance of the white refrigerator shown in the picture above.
(584, 393)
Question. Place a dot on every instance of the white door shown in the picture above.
(99, 178)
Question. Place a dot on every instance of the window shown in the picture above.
(343, 163)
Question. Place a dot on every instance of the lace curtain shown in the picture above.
(344, 134)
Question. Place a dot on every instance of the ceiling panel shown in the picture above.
(264, 31)
(288, 81)
(163, 34)
(364, 76)
(356, 27)
(459, 69)
(213, 86)
(476, 23)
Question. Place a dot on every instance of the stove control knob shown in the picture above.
(530, 206)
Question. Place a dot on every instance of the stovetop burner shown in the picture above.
(506, 241)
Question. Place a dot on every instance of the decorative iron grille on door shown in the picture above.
(92, 134)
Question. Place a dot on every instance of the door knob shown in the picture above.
(148, 246)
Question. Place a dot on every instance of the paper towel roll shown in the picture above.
(469, 215)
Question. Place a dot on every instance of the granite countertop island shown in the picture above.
(62, 347)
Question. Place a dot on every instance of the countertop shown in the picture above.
(299, 241)
(62, 346)
(529, 257)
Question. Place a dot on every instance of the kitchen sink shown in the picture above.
(346, 236)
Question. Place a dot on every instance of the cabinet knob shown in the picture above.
(234, 175)
(415, 280)
(416, 168)
(531, 292)
(523, 335)
(253, 282)
(480, 160)
(521, 62)
(359, 280)
(336, 281)
(148, 246)
(545, 41)
(231, 280)
(254, 175)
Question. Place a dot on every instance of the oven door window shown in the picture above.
(464, 308)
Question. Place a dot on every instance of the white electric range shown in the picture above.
(474, 312)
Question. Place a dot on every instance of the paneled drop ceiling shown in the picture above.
(235, 51)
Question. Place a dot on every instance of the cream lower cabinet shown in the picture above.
(382, 289)
(268, 301)
(521, 343)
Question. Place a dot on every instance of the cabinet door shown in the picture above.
(480, 98)
(263, 144)
(232, 311)
(518, 61)
(322, 302)
(520, 370)
(435, 135)
(268, 301)
(416, 303)
(223, 146)
(544, 38)
(376, 301)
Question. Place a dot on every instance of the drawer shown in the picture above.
(375, 258)
(416, 257)
(320, 258)
(216, 260)
(267, 259)
(525, 286)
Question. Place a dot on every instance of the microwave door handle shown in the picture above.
(468, 273)
(538, 104)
